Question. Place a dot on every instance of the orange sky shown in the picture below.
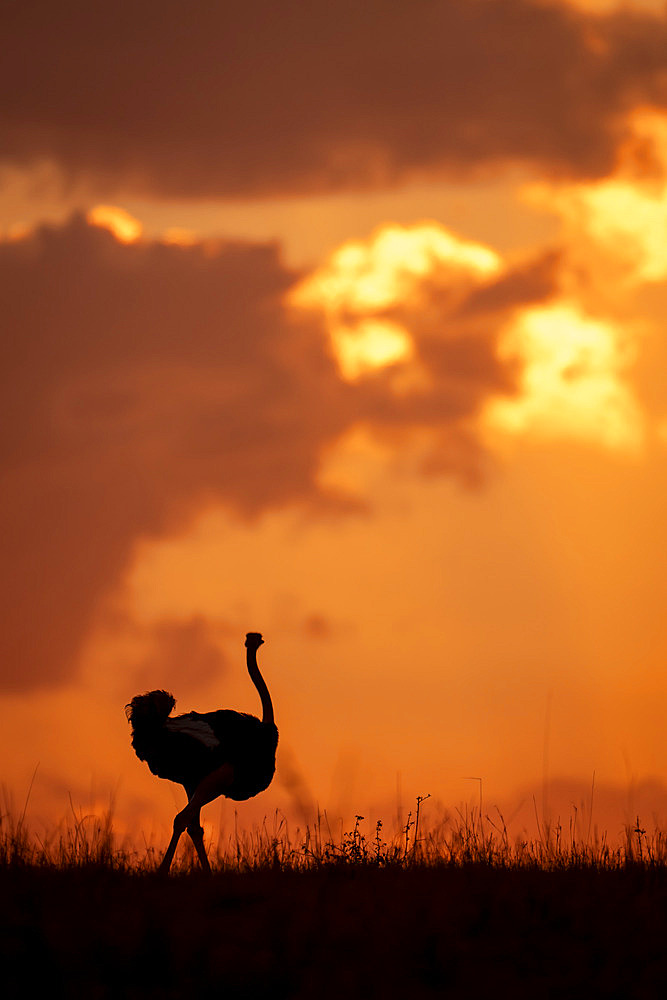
(346, 327)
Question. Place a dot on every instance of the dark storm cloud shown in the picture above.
(204, 99)
(140, 383)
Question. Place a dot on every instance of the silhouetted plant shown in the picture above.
(464, 838)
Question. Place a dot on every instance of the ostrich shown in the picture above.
(215, 753)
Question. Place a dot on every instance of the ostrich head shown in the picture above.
(253, 640)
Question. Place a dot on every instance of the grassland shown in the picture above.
(457, 910)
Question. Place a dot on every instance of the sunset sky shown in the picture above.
(344, 323)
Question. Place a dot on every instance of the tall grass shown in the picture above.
(466, 837)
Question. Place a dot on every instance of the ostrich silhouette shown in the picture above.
(215, 753)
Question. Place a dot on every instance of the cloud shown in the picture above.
(143, 382)
(140, 382)
(366, 286)
(256, 99)
(616, 226)
(443, 335)
(572, 382)
(437, 303)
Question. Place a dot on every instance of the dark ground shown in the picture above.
(345, 932)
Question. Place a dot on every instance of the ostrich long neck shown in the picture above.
(260, 684)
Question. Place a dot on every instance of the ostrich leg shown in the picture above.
(216, 783)
(186, 820)
(197, 837)
(196, 834)
(165, 864)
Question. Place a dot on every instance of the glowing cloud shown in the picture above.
(370, 344)
(625, 221)
(124, 226)
(361, 280)
(572, 383)
(624, 217)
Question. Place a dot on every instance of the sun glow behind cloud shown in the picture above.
(573, 365)
(370, 344)
(572, 382)
(363, 280)
(625, 221)
(124, 226)
(621, 219)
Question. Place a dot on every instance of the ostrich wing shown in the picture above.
(193, 725)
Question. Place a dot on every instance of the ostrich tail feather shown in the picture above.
(150, 709)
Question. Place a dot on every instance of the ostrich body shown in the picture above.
(212, 753)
